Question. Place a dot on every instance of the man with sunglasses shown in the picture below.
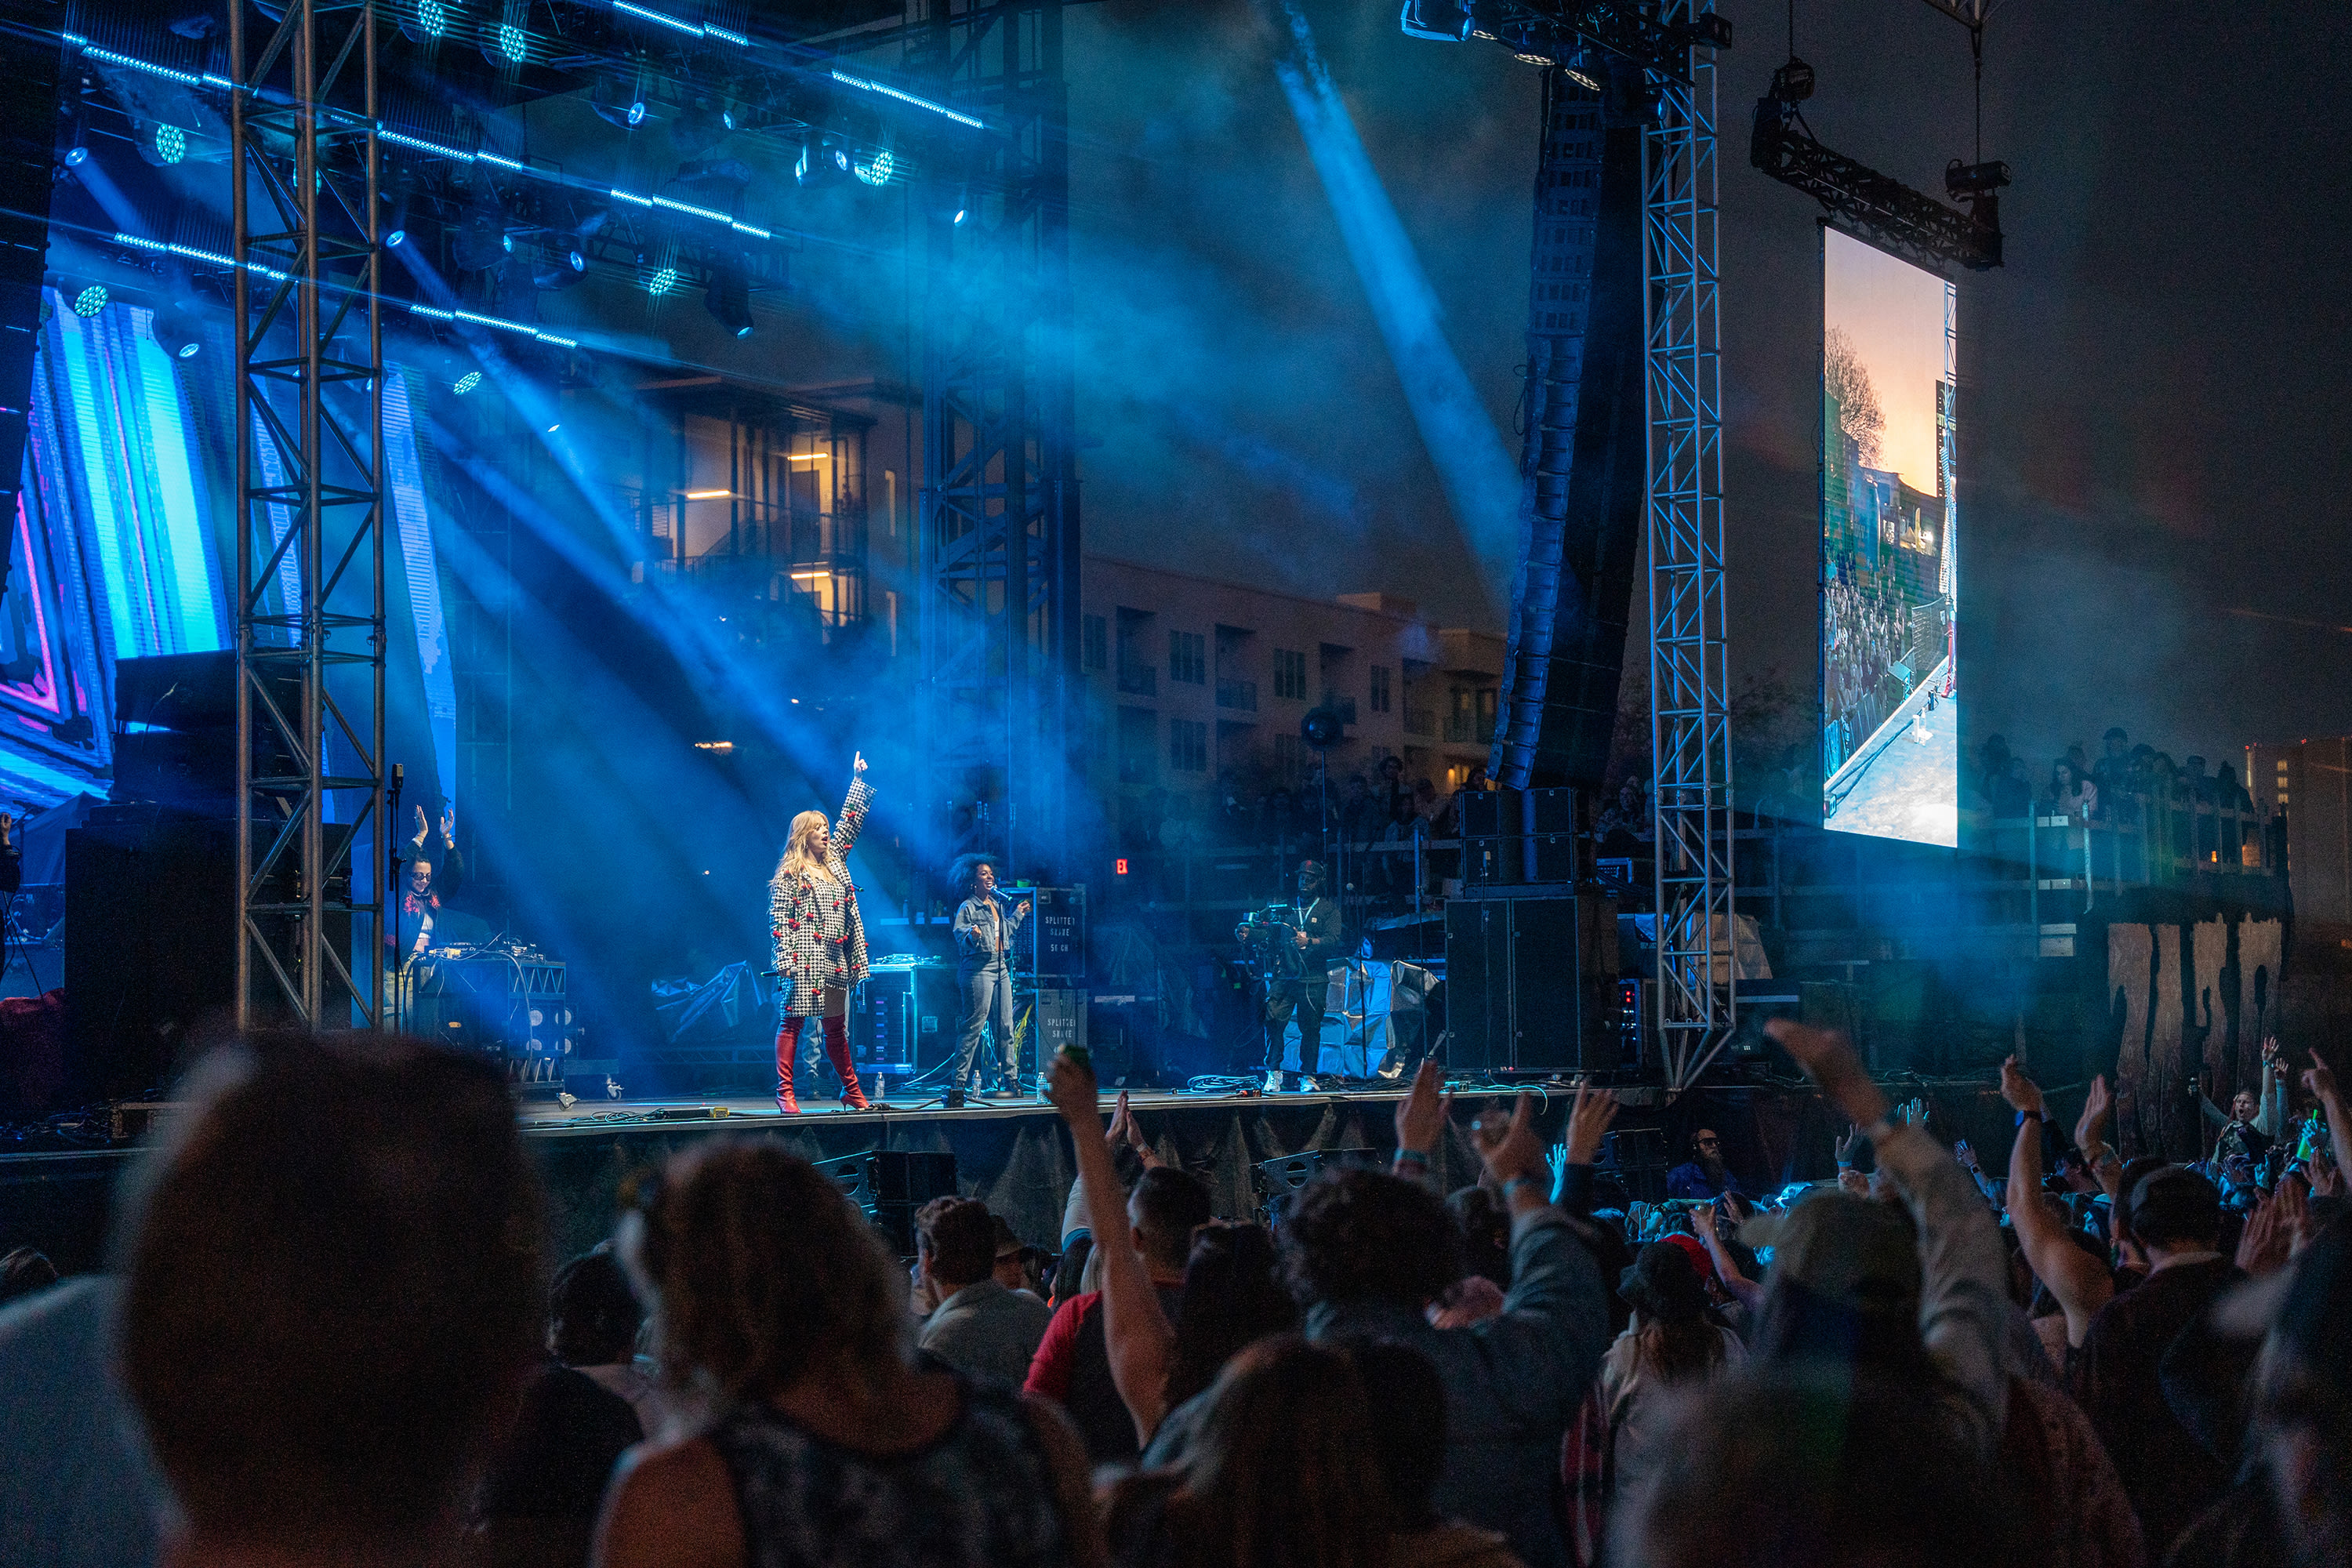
(1704, 1174)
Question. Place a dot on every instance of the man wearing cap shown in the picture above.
(2176, 1214)
(1870, 1286)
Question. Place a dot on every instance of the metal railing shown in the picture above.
(1238, 695)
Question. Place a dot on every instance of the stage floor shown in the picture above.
(591, 1117)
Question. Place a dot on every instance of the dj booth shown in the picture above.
(508, 1001)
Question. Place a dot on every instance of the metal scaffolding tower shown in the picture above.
(309, 540)
(999, 616)
(1690, 724)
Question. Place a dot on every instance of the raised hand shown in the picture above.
(1509, 1147)
(2023, 1093)
(1421, 1114)
(2319, 1079)
(1587, 1122)
(2270, 1049)
(423, 822)
(1829, 1060)
(449, 823)
(1844, 1147)
(2268, 1239)
(1965, 1156)
(2096, 1106)
(1703, 1222)
(2326, 1176)
(1070, 1085)
(857, 767)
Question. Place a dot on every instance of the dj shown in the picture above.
(1294, 948)
(983, 972)
(435, 871)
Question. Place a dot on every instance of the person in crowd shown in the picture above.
(592, 1322)
(24, 1270)
(2010, 793)
(1280, 1472)
(1071, 1366)
(1909, 1295)
(332, 1296)
(984, 939)
(1669, 1346)
(1426, 806)
(1704, 1174)
(1365, 1252)
(2293, 1505)
(1233, 1296)
(78, 1485)
(820, 938)
(2070, 794)
(782, 1315)
(1408, 1433)
(2176, 1217)
(537, 1504)
(1012, 1266)
(979, 1326)
(2112, 771)
(1627, 816)
(1992, 762)
(1805, 1467)
(2079, 1282)
(2254, 1121)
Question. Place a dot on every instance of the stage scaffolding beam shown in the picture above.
(310, 609)
(999, 618)
(1690, 724)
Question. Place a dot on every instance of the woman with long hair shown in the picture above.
(1281, 1475)
(812, 1439)
(820, 940)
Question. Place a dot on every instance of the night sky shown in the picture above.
(2152, 437)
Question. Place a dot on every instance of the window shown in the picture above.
(1379, 689)
(1138, 745)
(1290, 675)
(1290, 761)
(1188, 746)
(1188, 657)
(1095, 637)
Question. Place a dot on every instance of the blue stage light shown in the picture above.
(76, 156)
(466, 382)
(876, 170)
(513, 42)
(394, 240)
(90, 300)
(171, 143)
(432, 18)
(662, 282)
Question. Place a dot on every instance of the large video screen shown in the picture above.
(1890, 709)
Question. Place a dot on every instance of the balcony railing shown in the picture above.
(1139, 680)
(1462, 730)
(1240, 695)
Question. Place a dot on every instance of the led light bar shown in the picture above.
(887, 91)
(185, 78)
(436, 313)
(215, 257)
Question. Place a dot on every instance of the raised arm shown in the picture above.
(1963, 1298)
(2271, 1120)
(1135, 1330)
(1744, 1290)
(2076, 1278)
(2319, 1082)
(852, 809)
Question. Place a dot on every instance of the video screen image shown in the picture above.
(1890, 711)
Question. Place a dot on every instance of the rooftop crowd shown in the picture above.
(330, 1336)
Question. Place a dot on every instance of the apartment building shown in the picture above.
(1186, 678)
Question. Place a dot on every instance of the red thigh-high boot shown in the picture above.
(788, 1039)
(836, 1051)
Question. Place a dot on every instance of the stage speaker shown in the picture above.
(1054, 937)
(908, 1021)
(1056, 1018)
(151, 950)
(900, 1182)
(1526, 984)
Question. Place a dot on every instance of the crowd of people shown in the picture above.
(330, 1337)
(2110, 788)
(1864, 635)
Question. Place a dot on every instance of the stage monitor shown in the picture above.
(1890, 707)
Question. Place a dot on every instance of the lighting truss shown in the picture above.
(999, 609)
(1690, 714)
(1877, 207)
(310, 421)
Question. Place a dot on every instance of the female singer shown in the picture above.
(820, 941)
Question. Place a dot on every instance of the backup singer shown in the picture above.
(820, 940)
(1294, 948)
(983, 935)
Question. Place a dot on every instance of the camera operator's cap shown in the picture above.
(2173, 1200)
(1841, 1246)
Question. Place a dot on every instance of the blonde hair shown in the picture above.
(799, 859)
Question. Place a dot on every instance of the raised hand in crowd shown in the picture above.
(2268, 1241)
(1588, 1123)
(1967, 1157)
(2325, 1175)
(1421, 1114)
(1844, 1148)
(1514, 1155)
(2094, 1115)
(1744, 1290)
(2319, 1082)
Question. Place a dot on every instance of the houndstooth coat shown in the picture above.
(793, 917)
